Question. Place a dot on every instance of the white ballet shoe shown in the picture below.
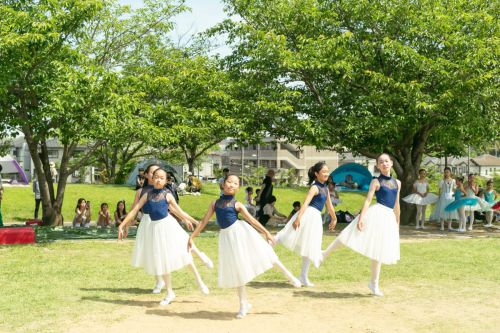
(488, 225)
(168, 299)
(469, 228)
(296, 282)
(375, 290)
(305, 281)
(206, 260)
(204, 289)
(159, 286)
(244, 308)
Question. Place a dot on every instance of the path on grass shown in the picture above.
(278, 307)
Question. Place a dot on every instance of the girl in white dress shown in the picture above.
(375, 232)
(421, 197)
(446, 196)
(243, 253)
(303, 234)
(472, 190)
(167, 240)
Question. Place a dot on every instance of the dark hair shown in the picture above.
(312, 171)
(489, 182)
(272, 199)
(146, 182)
(384, 153)
(296, 204)
(79, 202)
(460, 178)
(160, 169)
(103, 204)
(249, 188)
(257, 191)
(124, 207)
(420, 170)
(141, 169)
(447, 168)
(225, 170)
(229, 175)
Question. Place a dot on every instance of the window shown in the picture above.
(53, 153)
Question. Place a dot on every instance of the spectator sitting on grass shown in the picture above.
(296, 208)
(80, 213)
(120, 212)
(104, 218)
(270, 214)
(349, 182)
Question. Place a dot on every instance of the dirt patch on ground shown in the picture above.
(280, 308)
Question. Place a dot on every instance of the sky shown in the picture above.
(203, 15)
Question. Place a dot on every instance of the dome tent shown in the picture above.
(359, 173)
(12, 170)
(143, 164)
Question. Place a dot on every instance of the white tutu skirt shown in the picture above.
(306, 240)
(139, 254)
(440, 214)
(379, 239)
(416, 199)
(167, 247)
(243, 254)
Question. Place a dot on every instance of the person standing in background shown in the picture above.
(36, 191)
(266, 192)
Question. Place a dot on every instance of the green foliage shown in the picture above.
(371, 76)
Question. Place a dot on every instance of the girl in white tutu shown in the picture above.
(243, 253)
(446, 196)
(375, 232)
(303, 234)
(421, 197)
(166, 239)
(140, 251)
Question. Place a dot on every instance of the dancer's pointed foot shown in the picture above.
(244, 308)
(305, 281)
(159, 286)
(375, 290)
(204, 289)
(168, 299)
(206, 260)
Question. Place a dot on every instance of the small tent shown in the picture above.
(12, 171)
(359, 173)
(132, 176)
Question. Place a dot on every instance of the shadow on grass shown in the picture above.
(135, 291)
(210, 315)
(328, 294)
(269, 284)
(129, 302)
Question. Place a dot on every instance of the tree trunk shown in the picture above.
(408, 211)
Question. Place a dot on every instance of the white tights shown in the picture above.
(420, 216)
(376, 266)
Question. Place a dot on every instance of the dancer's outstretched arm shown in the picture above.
(123, 227)
(313, 190)
(397, 209)
(177, 210)
(201, 226)
(331, 211)
(240, 208)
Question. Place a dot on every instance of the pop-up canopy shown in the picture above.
(359, 173)
(12, 170)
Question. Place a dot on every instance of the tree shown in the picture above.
(406, 77)
(60, 64)
(192, 102)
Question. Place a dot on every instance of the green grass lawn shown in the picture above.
(49, 287)
(19, 203)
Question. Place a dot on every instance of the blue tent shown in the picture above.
(359, 173)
